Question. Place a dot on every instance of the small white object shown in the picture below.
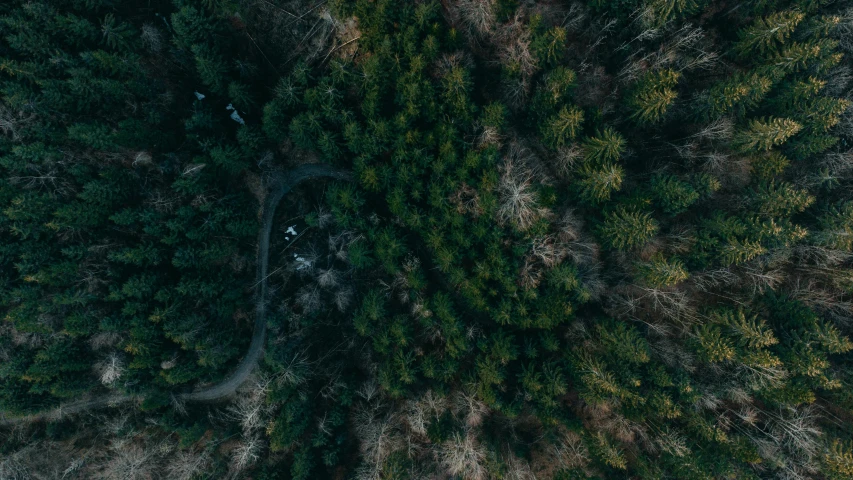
(291, 231)
(303, 263)
(199, 96)
(236, 117)
(287, 238)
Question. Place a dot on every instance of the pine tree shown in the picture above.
(763, 134)
(556, 88)
(738, 94)
(659, 272)
(211, 68)
(674, 196)
(606, 146)
(768, 32)
(622, 342)
(115, 34)
(796, 57)
(559, 129)
(776, 199)
(712, 346)
(597, 183)
(736, 251)
(751, 332)
(769, 164)
(838, 461)
(652, 96)
(624, 229)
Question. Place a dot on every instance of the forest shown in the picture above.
(426, 239)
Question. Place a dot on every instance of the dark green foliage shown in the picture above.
(652, 95)
(569, 248)
(624, 229)
(672, 195)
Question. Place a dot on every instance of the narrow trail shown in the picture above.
(279, 186)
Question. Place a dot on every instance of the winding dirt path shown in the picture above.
(279, 186)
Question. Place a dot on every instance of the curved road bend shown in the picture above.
(280, 186)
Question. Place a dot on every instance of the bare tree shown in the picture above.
(328, 278)
(12, 466)
(308, 298)
(245, 455)
(463, 456)
(720, 129)
(251, 410)
(129, 460)
(518, 203)
(471, 410)
(518, 469)
(421, 412)
(11, 122)
(152, 38)
(478, 16)
(188, 464)
(110, 369)
(343, 298)
(570, 451)
(379, 436)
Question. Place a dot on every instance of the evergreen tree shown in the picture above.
(652, 96)
(768, 32)
(763, 134)
(624, 229)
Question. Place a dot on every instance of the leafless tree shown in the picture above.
(152, 38)
(110, 369)
(758, 377)
(379, 436)
(343, 298)
(128, 460)
(11, 122)
(478, 16)
(250, 409)
(309, 299)
(513, 44)
(489, 136)
(761, 280)
(245, 455)
(795, 430)
(12, 466)
(421, 412)
(673, 443)
(470, 409)
(720, 129)
(570, 451)
(463, 456)
(328, 277)
(518, 469)
(518, 203)
(844, 31)
(566, 160)
(188, 464)
(714, 279)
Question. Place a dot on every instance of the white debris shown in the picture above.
(303, 263)
(236, 117)
(291, 231)
(199, 96)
